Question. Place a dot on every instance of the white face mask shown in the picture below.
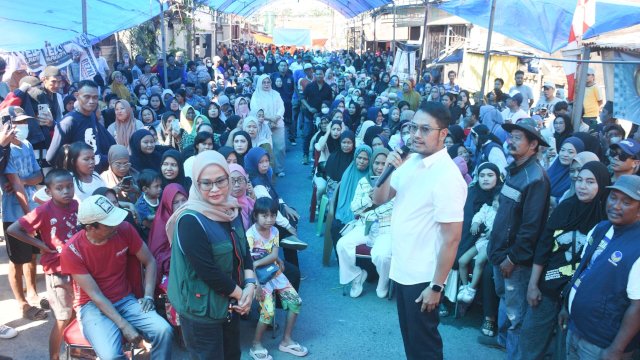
(615, 140)
(22, 131)
(405, 138)
(325, 110)
(385, 111)
(144, 102)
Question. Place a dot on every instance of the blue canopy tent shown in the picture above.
(27, 25)
(543, 24)
(348, 8)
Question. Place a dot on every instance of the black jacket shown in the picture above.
(522, 214)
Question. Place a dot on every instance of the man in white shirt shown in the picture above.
(527, 93)
(426, 226)
(513, 112)
(103, 67)
(548, 101)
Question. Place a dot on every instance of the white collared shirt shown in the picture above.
(429, 191)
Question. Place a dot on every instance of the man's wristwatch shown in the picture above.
(436, 288)
(248, 281)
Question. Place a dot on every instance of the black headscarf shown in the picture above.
(232, 123)
(181, 178)
(226, 151)
(568, 131)
(333, 144)
(456, 133)
(217, 124)
(371, 133)
(591, 143)
(573, 214)
(476, 197)
(249, 145)
(140, 160)
(352, 121)
(338, 161)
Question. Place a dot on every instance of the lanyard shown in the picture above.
(605, 241)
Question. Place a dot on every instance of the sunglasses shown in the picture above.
(621, 155)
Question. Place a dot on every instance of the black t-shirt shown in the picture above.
(315, 96)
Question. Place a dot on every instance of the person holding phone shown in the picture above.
(121, 176)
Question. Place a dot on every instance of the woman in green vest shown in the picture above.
(211, 279)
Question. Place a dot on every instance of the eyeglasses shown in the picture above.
(238, 181)
(621, 155)
(121, 164)
(207, 185)
(424, 129)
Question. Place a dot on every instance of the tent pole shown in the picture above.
(581, 84)
(488, 48)
(215, 34)
(425, 49)
(163, 42)
(393, 43)
(84, 17)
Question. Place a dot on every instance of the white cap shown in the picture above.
(549, 84)
(98, 209)
(307, 66)
(591, 71)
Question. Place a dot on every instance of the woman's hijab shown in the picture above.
(559, 176)
(362, 131)
(249, 145)
(241, 110)
(456, 133)
(338, 161)
(217, 124)
(561, 137)
(348, 185)
(189, 127)
(262, 136)
(140, 160)
(269, 101)
(225, 212)
(581, 158)
(125, 129)
(246, 203)
(573, 214)
(116, 152)
(181, 179)
(591, 143)
(376, 153)
(371, 133)
(251, 166)
(159, 243)
(333, 145)
(226, 151)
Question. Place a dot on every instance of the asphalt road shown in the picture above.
(332, 326)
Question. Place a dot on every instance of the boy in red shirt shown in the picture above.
(97, 258)
(55, 222)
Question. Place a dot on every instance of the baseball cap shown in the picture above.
(518, 98)
(549, 84)
(98, 209)
(50, 71)
(307, 66)
(629, 146)
(20, 115)
(591, 71)
(629, 185)
(31, 80)
(527, 125)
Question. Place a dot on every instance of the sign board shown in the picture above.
(297, 37)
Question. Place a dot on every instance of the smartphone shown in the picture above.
(374, 179)
(175, 126)
(7, 119)
(127, 181)
(42, 108)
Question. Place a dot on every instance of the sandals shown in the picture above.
(294, 349)
(44, 303)
(34, 313)
(262, 354)
(489, 327)
(442, 310)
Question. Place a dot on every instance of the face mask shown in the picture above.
(385, 111)
(144, 102)
(615, 140)
(405, 138)
(325, 110)
(208, 64)
(22, 131)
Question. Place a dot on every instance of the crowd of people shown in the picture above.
(497, 200)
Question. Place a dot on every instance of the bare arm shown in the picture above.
(386, 192)
(20, 192)
(533, 292)
(34, 180)
(19, 233)
(149, 263)
(269, 259)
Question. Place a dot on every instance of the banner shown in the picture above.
(61, 56)
(404, 64)
(297, 37)
(625, 83)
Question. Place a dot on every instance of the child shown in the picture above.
(55, 222)
(150, 183)
(484, 216)
(81, 162)
(21, 174)
(264, 244)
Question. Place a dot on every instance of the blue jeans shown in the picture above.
(106, 338)
(211, 340)
(537, 330)
(307, 132)
(513, 306)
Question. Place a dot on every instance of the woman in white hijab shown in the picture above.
(271, 103)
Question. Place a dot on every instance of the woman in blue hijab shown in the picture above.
(358, 169)
(559, 170)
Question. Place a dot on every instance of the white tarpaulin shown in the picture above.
(404, 64)
(297, 37)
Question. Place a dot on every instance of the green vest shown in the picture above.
(188, 294)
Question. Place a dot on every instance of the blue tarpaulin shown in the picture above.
(544, 24)
(348, 8)
(26, 25)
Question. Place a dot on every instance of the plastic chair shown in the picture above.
(77, 346)
(328, 241)
(314, 192)
(363, 252)
(321, 214)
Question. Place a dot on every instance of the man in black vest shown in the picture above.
(603, 307)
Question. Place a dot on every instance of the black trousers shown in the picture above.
(211, 341)
(419, 330)
(490, 300)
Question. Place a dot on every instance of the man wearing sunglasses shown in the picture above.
(624, 158)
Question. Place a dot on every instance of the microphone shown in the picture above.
(387, 172)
